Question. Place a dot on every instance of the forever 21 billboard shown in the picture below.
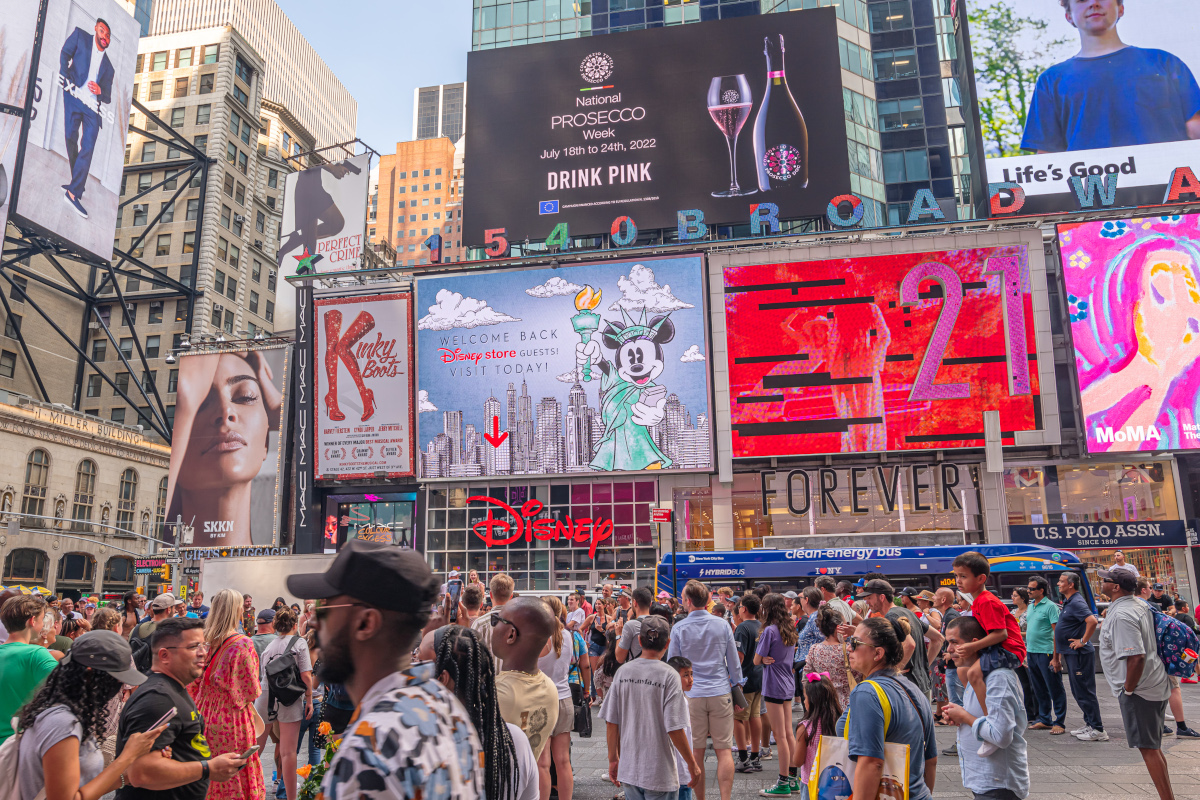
(716, 116)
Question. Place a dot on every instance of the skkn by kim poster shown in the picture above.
(581, 369)
(363, 386)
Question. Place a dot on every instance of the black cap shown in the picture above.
(909, 591)
(877, 586)
(382, 575)
(1121, 577)
(266, 617)
(654, 633)
(1158, 587)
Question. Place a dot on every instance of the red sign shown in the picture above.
(660, 515)
(495, 531)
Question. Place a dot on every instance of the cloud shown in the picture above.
(692, 354)
(423, 403)
(640, 291)
(555, 287)
(452, 310)
(567, 377)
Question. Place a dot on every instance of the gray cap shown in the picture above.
(107, 652)
(654, 633)
(790, 595)
(163, 601)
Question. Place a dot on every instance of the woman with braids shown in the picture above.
(776, 649)
(465, 666)
(556, 665)
(63, 725)
(875, 651)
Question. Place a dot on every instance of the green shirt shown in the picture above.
(1040, 618)
(23, 668)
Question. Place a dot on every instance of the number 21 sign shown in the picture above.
(884, 353)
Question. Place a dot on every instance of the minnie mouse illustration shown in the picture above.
(631, 402)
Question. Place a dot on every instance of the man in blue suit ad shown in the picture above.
(86, 75)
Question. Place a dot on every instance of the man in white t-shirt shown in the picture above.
(575, 614)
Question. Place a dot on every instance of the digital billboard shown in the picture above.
(1133, 292)
(226, 455)
(364, 386)
(1045, 76)
(893, 352)
(716, 116)
(71, 170)
(579, 369)
(18, 30)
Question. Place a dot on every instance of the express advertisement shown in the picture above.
(363, 386)
(905, 351)
(323, 227)
(1045, 78)
(226, 454)
(74, 155)
(18, 30)
(716, 116)
(1133, 290)
(580, 369)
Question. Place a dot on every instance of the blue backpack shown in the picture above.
(1173, 637)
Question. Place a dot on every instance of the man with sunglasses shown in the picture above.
(408, 732)
(527, 696)
(179, 658)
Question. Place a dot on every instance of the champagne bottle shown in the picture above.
(780, 133)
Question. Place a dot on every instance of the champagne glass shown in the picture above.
(729, 103)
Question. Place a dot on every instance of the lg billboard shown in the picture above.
(716, 116)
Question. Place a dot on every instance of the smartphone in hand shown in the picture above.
(167, 716)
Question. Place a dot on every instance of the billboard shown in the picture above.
(18, 30)
(903, 351)
(226, 453)
(716, 116)
(363, 385)
(1044, 78)
(72, 165)
(1133, 290)
(578, 369)
(324, 225)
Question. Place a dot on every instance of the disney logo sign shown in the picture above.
(495, 531)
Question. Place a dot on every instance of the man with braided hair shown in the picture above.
(465, 667)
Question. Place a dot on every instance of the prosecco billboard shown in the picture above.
(716, 117)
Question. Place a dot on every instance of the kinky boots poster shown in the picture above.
(362, 358)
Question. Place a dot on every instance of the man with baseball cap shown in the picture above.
(264, 631)
(1139, 681)
(370, 608)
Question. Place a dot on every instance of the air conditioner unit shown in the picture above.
(258, 243)
(218, 307)
(95, 326)
(130, 307)
(238, 218)
(140, 206)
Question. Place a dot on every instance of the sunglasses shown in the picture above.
(496, 619)
(321, 610)
(853, 643)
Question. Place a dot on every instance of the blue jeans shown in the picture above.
(685, 793)
(1047, 690)
(309, 726)
(954, 689)
(634, 793)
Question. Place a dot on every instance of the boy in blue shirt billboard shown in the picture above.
(1111, 94)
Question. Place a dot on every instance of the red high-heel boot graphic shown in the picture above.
(363, 324)
(333, 333)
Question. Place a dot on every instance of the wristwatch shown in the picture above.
(204, 770)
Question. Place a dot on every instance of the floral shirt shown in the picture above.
(409, 738)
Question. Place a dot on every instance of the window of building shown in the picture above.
(121, 379)
(137, 68)
(156, 313)
(222, 249)
(899, 114)
(231, 153)
(206, 82)
(177, 117)
(243, 70)
(210, 54)
(273, 178)
(891, 65)
(189, 244)
(270, 315)
(8, 363)
(227, 186)
(163, 247)
(235, 253)
(181, 314)
(271, 202)
(241, 95)
(219, 282)
(12, 326)
(260, 222)
(156, 89)
(242, 162)
(256, 271)
(148, 149)
(173, 151)
(171, 183)
(153, 343)
(203, 113)
(253, 302)
(906, 165)
(235, 122)
(231, 289)
(118, 416)
(149, 379)
(99, 348)
(425, 187)
(127, 500)
(437, 171)
(890, 16)
(226, 216)
(133, 284)
(85, 488)
(437, 201)
(37, 476)
(239, 194)
(201, 143)
(158, 61)
(93, 386)
(140, 212)
(183, 57)
(246, 132)
(271, 281)
(181, 88)
(228, 321)
(20, 284)
(216, 317)
(138, 250)
(426, 173)
(172, 380)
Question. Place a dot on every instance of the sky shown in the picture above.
(384, 49)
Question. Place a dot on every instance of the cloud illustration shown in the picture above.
(452, 310)
(692, 354)
(555, 287)
(423, 403)
(639, 290)
(567, 377)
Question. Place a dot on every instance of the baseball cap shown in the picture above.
(1122, 578)
(1157, 587)
(265, 616)
(877, 586)
(908, 591)
(163, 601)
(654, 633)
(382, 575)
(107, 652)
(790, 595)
(664, 594)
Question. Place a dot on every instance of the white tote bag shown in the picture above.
(832, 775)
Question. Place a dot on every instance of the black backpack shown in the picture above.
(283, 677)
(143, 654)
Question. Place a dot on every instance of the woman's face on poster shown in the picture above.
(228, 442)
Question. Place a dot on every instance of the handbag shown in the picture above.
(583, 712)
(833, 770)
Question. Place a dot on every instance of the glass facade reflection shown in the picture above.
(1090, 493)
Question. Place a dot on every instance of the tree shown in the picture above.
(1006, 73)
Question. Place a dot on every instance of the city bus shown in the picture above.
(918, 567)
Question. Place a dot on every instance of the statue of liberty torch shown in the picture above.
(586, 322)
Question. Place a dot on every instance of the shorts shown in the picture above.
(778, 701)
(596, 650)
(712, 716)
(566, 717)
(996, 657)
(1144, 720)
(754, 709)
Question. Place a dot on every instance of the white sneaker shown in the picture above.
(1093, 735)
(986, 749)
(1078, 731)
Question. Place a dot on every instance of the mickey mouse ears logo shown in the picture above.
(596, 67)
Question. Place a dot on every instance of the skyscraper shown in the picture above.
(452, 426)
(524, 457)
(548, 448)
(440, 111)
(511, 407)
(491, 410)
(579, 431)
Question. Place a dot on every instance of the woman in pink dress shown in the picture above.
(225, 696)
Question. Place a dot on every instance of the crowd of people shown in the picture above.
(405, 689)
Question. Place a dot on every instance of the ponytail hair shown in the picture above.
(558, 612)
(888, 634)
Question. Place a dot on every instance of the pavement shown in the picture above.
(1060, 767)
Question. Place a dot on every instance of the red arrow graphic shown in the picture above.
(496, 438)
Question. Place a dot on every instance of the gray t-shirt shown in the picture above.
(1128, 630)
(918, 665)
(842, 607)
(261, 640)
(51, 727)
(630, 640)
(647, 701)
